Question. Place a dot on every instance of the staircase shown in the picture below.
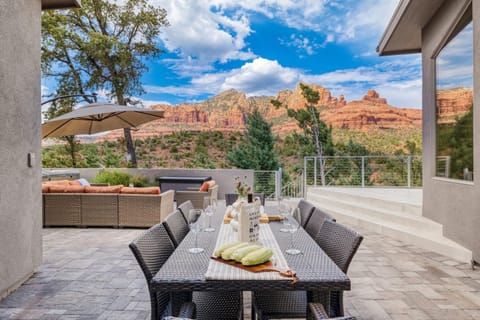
(393, 212)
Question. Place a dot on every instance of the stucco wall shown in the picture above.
(455, 204)
(20, 194)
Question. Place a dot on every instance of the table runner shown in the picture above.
(220, 271)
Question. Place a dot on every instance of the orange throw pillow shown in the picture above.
(211, 183)
(45, 188)
(106, 189)
(74, 189)
(57, 189)
(57, 182)
(74, 183)
(128, 190)
(204, 187)
(147, 190)
(140, 190)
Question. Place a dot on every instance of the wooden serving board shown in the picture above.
(264, 267)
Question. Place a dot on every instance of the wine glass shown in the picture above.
(284, 211)
(208, 209)
(195, 226)
(294, 225)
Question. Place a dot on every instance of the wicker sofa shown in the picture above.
(106, 209)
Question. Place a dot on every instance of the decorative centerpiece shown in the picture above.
(241, 187)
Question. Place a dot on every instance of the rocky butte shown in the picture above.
(227, 112)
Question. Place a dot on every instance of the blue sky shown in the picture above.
(262, 46)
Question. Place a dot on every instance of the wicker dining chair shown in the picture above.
(185, 208)
(306, 209)
(340, 244)
(316, 220)
(176, 226)
(151, 249)
(318, 313)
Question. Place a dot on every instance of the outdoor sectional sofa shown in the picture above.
(109, 207)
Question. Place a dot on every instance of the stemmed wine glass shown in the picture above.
(209, 209)
(294, 225)
(284, 211)
(195, 226)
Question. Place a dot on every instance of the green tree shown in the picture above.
(314, 129)
(256, 149)
(102, 46)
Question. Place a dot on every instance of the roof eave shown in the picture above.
(391, 28)
(60, 4)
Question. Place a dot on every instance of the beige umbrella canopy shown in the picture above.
(98, 117)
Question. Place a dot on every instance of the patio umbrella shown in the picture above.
(98, 117)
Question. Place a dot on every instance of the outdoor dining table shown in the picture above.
(315, 271)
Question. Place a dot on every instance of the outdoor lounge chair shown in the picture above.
(306, 209)
(340, 244)
(176, 227)
(319, 313)
(152, 249)
(316, 220)
(196, 197)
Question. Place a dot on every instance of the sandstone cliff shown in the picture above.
(227, 112)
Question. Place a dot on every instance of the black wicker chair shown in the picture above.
(152, 249)
(340, 244)
(176, 227)
(316, 220)
(185, 208)
(319, 313)
(306, 209)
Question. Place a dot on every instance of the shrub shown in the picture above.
(113, 177)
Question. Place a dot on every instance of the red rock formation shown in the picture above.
(453, 102)
(226, 112)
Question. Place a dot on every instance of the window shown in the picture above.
(454, 104)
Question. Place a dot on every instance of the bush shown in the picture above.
(141, 181)
(113, 177)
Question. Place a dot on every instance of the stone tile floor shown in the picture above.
(91, 274)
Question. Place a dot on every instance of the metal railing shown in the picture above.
(364, 171)
(294, 188)
(268, 183)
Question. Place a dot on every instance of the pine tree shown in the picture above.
(256, 149)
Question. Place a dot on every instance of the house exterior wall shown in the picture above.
(455, 204)
(20, 194)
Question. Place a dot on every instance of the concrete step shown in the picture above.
(357, 207)
(406, 201)
(377, 215)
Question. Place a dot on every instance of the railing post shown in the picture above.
(278, 183)
(315, 171)
(363, 171)
(409, 168)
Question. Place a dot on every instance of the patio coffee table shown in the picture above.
(185, 271)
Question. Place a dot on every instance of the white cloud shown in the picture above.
(261, 77)
(202, 36)
(398, 80)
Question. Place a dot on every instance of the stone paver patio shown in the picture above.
(91, 274)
